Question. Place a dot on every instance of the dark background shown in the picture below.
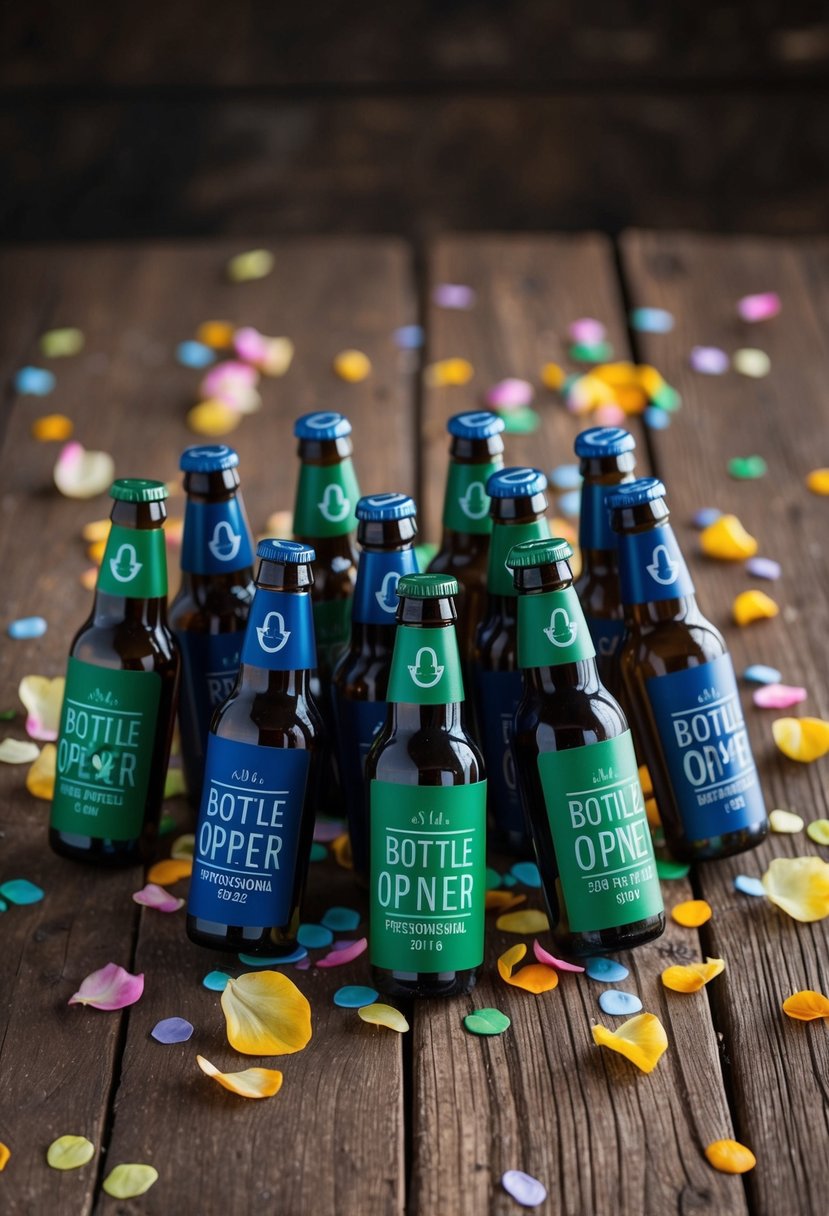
(412, 116)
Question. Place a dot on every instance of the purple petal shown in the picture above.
(453, 295)
(109, 988)
(172, 1030)
(338, 957)
(523, 1188)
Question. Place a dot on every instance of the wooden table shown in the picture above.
(368, 1121)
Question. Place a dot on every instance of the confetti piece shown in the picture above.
(252, 264)
(339, 957)
(172, 1030)
(550, 960)
(692, 977)
(565, 477)
(671, 870)
(384, 1015)
(492, 878)
(729, 1157)
(759, 673)
(34, 382)
(18, 751)
(818, 481)
(5, 1154)
(318, 852)
(40, 779)
(43, 699)
(800, 886)
(151, 896)
(527, 873)
(183, 847)
(216, 334)
(763, 567)
(502, 901)
(535, 977)
(195, 354)
(341, 920)
(586, 330)
(818, 831)
(224, 381)
(708, 360)
(128, 1181)
(26, 627)
(747, 885)
(52, 428)
(802, 739)
(82, 474)
(692, 913)
(21, 892)
(520, 422)
(641, 1039)
(453, 295)
(354, 996)
(215, 981)
(167, 825)
(249, 344)
(341, 848)
(409, 337)
(266, 1014)
(61, 343)
(591, 352)
(111, 987)
(750, 606)
(277, 357)
(778, 696)
(328, 829)
(655, 821)
(752, 363)
(509, 394)
(606, 970)
(656, 419)
(530, 920)
(213, 417)
(523, 1188)
(726, 538)
(486, 1022)
(785, 822)
(449, 372)
(250, 1083)
(747, 468)
(759, 307)
(314, 936)
(280, 960)
(619, 1004)
(166, 872)
(69, 1152)
(705, 517)
(806, 1006)
(553, 376)
(352, 366)
(651, 320)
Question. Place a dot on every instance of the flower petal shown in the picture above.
(785, 822)
(43, 699)
(692, 913)
(82, 474)
(534, 978)
(523, 1188)
(729, 1157)
(111, 987)
(169, 871)
(803, 739)
(800, 886)
(641, 1039)
(818, 830)
(807, 1005)
(172, 1030)
(127, 1181)
(692, 977)
(337, 958)
(250, 1083)
(550, 960)
(341, 848)
(384, 1015)
(486, 1022)
(5, 1154)
(40, 779)
(21, 892)
(152, 896)
(18, 751)
(500, 901)
(529, 920)
(69, 1152)
(266, 1014)
(183, 847)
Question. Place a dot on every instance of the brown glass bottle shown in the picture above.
(261, 782)
(121, 688)
(210, 611)
(606, 459)
(681, 689)
(386, 531)
(475, 453)
(578, 772)
(518, 507)
(427, 817)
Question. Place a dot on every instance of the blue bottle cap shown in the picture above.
(475, 424)
(604, 441)
(208, 458)
(324, 424)
(516, 483)
(635, 493)
(289, 551)
(378, 508)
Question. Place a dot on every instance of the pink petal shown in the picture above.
(337, 957)
(550, 960)
(109, 988)
(153, 896)
(778, 696)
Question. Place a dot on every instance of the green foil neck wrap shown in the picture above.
(504, 536)
(134, 563)
(466, 505)
(426, 667)
(552, 629)
(326, 500)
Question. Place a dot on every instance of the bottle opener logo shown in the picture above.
(475, 502)
(334, 506)
(561, 631)
(663, 569)
(125, 565)
(272, 633)
(225, 543)
(426, 671)
(387, 595)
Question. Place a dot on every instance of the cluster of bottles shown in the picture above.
(326, 680)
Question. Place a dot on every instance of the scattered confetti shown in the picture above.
(216, 981)
(486, 1022)
(806, 1006)
(709, 360)
(553, 376)
(759, 673)
(778, 696)
(409, 337)
(729, 1157)
(705, 517)
(527, 873)
(750, 606)
(169, 871)
(34, 382)
(213, 418)
(52, 428)
(803, 739)
(354, 996)
(751, 362)
(818, 831)
(82, 474)
(502, 901)
(671, 870)
(152, 896)
(40, 779)
(587, 330)
(619, 1004)
(747, 468)
(127, 1181)
(61, 343)
(523, 1188)
(318, 852)
(453, 295)
(606, 970)
(535, 977)
(521, 421)
(656, 419)
(281, 960)
(785, 822)
(172, 1030)
(5, 1154)
(384, 1015)
(183, 847)
(314, 936)
(266, 1014)
(449, 372)
(250, 345)
(570, 504)
(763, 567)
(800, 886)
(550, 960)
(692, 977)
(759, 307)
(492, 879)
(565, 477)
(277, 357)
(341, 920)
(529, 920)
(510, 394)
(726, 538)
(692, 913)
(18, 751)
(641, 1039)
(195, 354)
(69, 1152)
(747, 885)
(252, 264)
(216, 334)
(352, 366)
(21, 892)
(43, 698)
(338, 957)
(818, 481)
(341, 848)
(591, 352)
(651, 320)
(111, 987)
(26, 627)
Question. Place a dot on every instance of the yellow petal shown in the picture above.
(95, 530)
(352, 365)
(645, 781)
(5, 1153)
(803, 739)
(40, 779)
(818, 830)
(529, 920)
(127, 1181)
(818, 481)
(384, 1015)
(213, 418)
(807, 1005)
(183, 847)
(785, 822)
(502, 900)
(165, 873)
(251, 1083)
(641, 1039)
(341, 848)
(800, 886)
(726, 538)
(266, 1014)
(652, 812)
(729, 1157)
(18, 751)
(449, 372)
(692, 913)
(553, 376)
(69, 1152)
(693, 977)
(43, 699)
(534, 978)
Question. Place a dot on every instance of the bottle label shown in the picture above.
(607, 635)
(707, 749)
(428, 861)
(552, 629)
(247, 839)
(595, 531)
(426, 666)
(466, 505)
(602, 843)
(375, 595)
(504, 536)
(216, 538)
(498, 695)
(134, 563)
(326, 499)
(332, 628)
(105, 750)
(280, 632)
(651, 567)
(210, 665)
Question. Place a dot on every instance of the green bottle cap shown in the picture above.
(427, 586)
(531, 553)
(137, 489)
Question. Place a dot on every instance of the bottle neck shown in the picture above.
(280, 630)
(652, 569)
(529, 525)
(375, 594)
(597, 540)
(552, 630)
(327, 491)
(284, 683)
(466, 504)
(426, 664)
(581, 676)
(216, 538)
(132, 579)
(408, 717)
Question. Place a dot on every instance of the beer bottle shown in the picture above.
(209, 614)
(681, 689)
(256, 819)
(385, 532)
(121, 686)
(606, 459)
(517, 509)
(427, 817)
(474, 455)
(578, 771)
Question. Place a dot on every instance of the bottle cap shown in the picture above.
(292, 552)
(208, 458)
(475, 424)
(604, 441)
(379, 508)
(635, 493)
(516, 483)
(427, 586)
(137, 489)
(532, 553)
(325, 424)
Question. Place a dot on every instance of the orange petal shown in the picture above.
(165, 873)
(693, 977)
(341, 848)
(40, 779)
(52, 427)
(692, 913)
(641, 1039)
(266, 1014)
(729, 1157)
(803, 739)
(251, 1083)
(807, 1005)
(645, 781)
(502, 900)
(652, 812)
(800, 886)
(753, 606)
(5, 1153)
(533, 978)
(529, 920)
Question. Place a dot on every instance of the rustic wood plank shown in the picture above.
(127, 395)
(777, 1069)
(542, 1097)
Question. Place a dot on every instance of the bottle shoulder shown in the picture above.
(268, 719)
(211, 609)
(657, 648)
(572, 717)
(125, 645)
